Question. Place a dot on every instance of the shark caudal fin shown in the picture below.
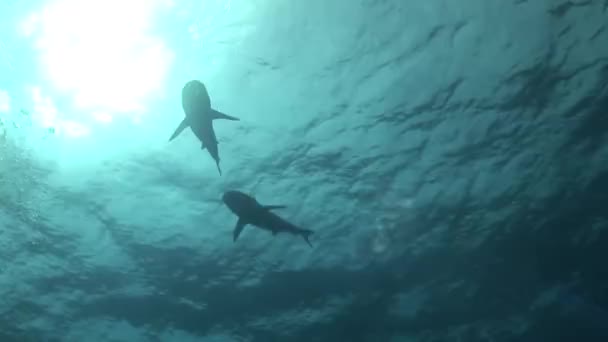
(179, 129)
(218, 167)
(305, 235)
(219, 115)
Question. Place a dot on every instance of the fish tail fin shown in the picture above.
(305, 235)
(219, 115)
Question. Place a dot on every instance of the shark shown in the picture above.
(250, 211)
(199, 116)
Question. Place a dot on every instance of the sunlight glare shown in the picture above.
(102, 53)
(46, 115)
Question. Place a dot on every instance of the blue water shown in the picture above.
(450, 158)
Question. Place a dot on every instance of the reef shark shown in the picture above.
(199, 117)
(250, 211)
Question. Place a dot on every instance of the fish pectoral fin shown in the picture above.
(305, 233)
(180, 129)
(240, 224)
(271, 207)
(219, 115)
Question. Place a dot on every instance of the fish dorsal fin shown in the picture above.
(271, 207)
(216, 114)
(240, 224)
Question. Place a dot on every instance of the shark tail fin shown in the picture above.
(179, 129)
(305, 235)
(219, 115)
(218, 167)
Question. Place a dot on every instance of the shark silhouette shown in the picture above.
(199, 117)
(250, 211)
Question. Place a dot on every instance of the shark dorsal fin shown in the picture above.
(216, 114)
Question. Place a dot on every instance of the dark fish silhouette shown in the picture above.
(250, 211)
(199, 117)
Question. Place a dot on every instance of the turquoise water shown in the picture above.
(449, 157)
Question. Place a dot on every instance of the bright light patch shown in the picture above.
(194, 32)
(101, 52)
(5, 102)
(29, 25)
(46, 115)
(75, 129)
(45, 112)
(5, 58)
(103, 117)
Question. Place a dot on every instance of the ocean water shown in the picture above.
(451, 158)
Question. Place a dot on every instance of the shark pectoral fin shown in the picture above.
(306, 234)
(240, 224)
(179, 129)
(219, 115)
(202, 146)
(271, 207)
